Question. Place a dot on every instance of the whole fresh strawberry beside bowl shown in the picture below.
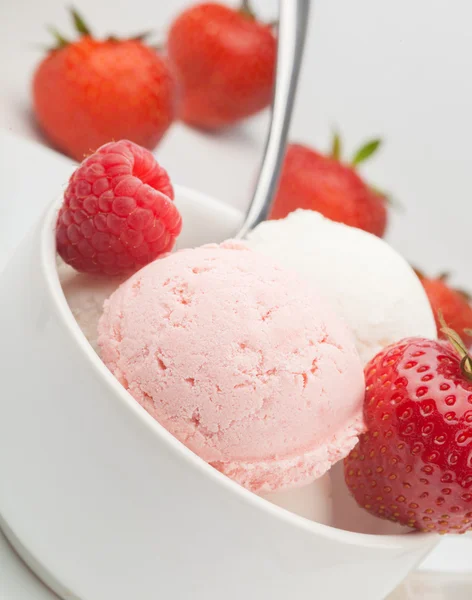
(414, 464)
(89, 92)
(225, 62)
(320, 182)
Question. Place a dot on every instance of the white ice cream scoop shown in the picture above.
(369, 284)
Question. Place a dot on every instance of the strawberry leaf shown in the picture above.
(365, 152)
(418, 272)
(393, 202)
(246, 10)
(140, 37)
(61, 41)
(388, 198)
(454, 339)
(466, 367)
(465, 294)
(336, 146)
(79, 23)
(456, 342)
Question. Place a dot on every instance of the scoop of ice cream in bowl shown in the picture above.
(147, 444)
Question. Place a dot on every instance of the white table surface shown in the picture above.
(400, 70)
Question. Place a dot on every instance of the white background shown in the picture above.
(401, 70)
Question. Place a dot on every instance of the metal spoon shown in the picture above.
(293, 21)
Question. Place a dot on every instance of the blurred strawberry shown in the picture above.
(225, 60)
(90, 91)
(454, 305)
(314, 181)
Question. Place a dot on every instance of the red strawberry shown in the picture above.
(118, 213)
(414, 464)
(89, 92)
(225, 61)
(453, 304)
(311, 180)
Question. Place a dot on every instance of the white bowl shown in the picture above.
(105, 504)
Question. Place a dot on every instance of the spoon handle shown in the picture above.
(293, 21)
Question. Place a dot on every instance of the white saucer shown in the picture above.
(17, 582)
(434, 586)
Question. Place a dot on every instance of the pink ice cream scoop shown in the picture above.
(239, 360)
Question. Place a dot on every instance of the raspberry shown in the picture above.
(118, 213)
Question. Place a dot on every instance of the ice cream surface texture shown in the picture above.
(241, 361)
(366, 281)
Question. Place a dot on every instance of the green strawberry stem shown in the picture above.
(246, 9)
(84, 30)
(418, 273)
(466, 366)
(360, 156)
(336, 146)
(388, 198)
(79, 23)
(141, 37)
(465, 294)
(80, 27)
(456, 342)
(61, 41)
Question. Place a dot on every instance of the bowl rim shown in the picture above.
(408, 541)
